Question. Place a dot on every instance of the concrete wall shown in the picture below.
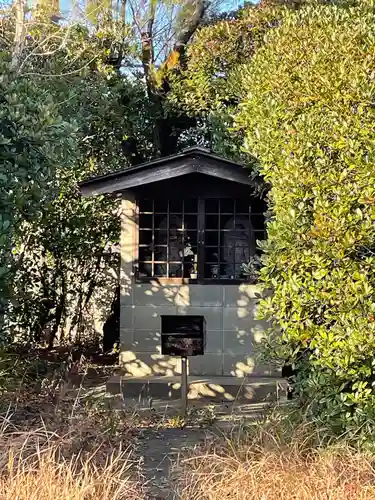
(233, 334)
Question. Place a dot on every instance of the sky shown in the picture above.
(66, 4)
(227, 4)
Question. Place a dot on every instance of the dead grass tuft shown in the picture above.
(59, 445)
(33, 468)
(274, 461)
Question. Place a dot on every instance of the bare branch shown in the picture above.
(59, 75)
(135, 18)
(43, 42)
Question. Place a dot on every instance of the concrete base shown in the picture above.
(210, 389)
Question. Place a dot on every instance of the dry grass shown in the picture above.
(62, 446)
(88, 456)
(33, 468)
(274, 461)
(55, 444)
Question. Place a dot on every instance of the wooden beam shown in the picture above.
(164, 169)
(231, 173)
(122, 183)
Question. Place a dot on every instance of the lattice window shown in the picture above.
(168, 238)
(198, 239)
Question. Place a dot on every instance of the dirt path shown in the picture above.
(159, 442)
(158, 450)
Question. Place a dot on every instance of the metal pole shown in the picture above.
(184, 386)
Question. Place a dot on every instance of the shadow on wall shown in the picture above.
(204, 389)
(233, 334)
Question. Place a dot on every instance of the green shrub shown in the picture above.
(35, 143)
(308, 114)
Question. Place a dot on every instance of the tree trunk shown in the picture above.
(19, 35)
(60, 306)
(123, 11)
(167, 129)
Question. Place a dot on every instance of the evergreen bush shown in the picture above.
(308, 114)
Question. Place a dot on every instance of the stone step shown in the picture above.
(210, 389)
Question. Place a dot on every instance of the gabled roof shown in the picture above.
(191, 160)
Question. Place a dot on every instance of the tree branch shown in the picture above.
(186, 33)
(183, 38)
